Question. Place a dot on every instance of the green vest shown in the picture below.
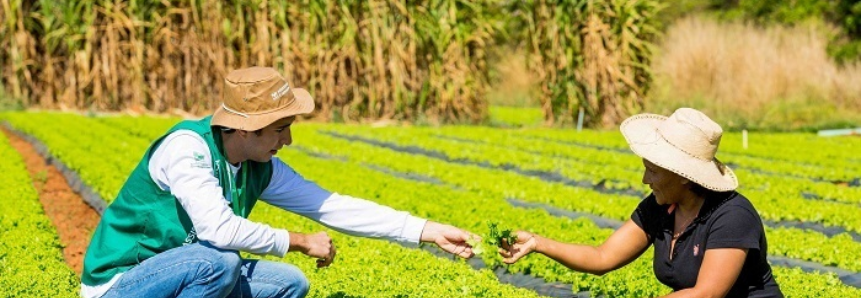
(144, 220)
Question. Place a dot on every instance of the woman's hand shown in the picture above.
(526, 243)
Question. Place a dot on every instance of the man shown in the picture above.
(176, 226)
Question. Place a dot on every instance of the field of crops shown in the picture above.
(568, 185)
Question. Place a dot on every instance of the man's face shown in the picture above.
(262, 147)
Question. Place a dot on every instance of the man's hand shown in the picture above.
(449, 238)
(317, 245)
(525, 244)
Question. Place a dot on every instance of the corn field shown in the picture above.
(376, 59)
(590, 54)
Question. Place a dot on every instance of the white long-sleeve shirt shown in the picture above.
(182, 165)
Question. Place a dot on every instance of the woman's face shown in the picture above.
(666, 185)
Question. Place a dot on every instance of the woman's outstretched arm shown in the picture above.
(625, 245)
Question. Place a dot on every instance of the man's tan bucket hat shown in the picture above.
(255, 97)
(685, 144)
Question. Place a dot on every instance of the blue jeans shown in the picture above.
(201, 270)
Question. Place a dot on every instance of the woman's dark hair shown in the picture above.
(702, 191)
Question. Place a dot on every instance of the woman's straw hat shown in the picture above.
(685, 144)
(255, 97)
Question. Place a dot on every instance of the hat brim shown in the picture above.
(303, 104)
(641, 133)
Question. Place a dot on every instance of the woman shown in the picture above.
(709, 240)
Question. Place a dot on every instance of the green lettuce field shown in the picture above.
(568, 185)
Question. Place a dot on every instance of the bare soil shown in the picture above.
(74, 219)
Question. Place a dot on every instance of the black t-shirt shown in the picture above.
(726, 220)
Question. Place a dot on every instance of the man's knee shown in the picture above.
(293, 282)
(224, 265)
(303, 286)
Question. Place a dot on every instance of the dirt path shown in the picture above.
(73, 218)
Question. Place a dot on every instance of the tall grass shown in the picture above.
(754, 77)
(423, 60)
(590, 54)
(511, 82)
(360, 59)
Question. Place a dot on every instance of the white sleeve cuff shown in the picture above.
(413, 228)
(282, 243)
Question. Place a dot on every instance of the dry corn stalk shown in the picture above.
(590, 54)
(361, 59)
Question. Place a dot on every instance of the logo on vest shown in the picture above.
(191, 237)
(199, 161)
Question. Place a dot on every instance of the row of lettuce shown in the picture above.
(588, 163)
(31, 257)
(355, 168)
(840, 251)
(797, 154)
(362, 268)
(529, 189)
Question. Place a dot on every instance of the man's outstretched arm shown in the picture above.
(290, 191)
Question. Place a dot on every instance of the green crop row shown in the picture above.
(375, 268)
(825, 191)
(31, 257)
(815, 157)
(158, 124)
(448, 205)
(806, 245)
(468, 209)
(515, 116)
(798, 148)
(363, 263)
(577, 161)
(148, 128)
(81, 142)
(756, 171)
(771, 198)
(825, 256)
(50, 132)
(793, 148)
(502, 183)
